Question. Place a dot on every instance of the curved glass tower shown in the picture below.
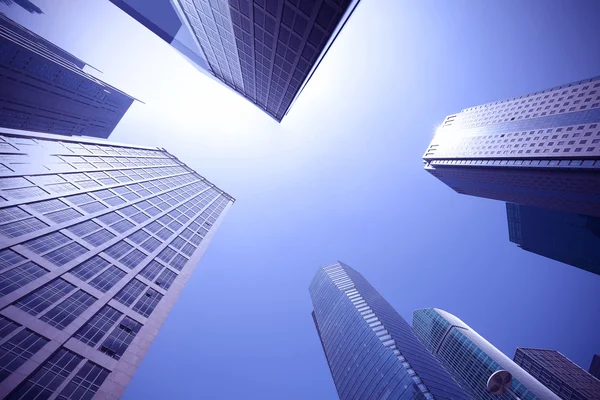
(470, 358)
(371, 350)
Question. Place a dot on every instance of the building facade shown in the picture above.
(44, 89)
(558, 373)
(471, 359)
(264, 50)
(540, 149)
(570, 238)
(370, 349)
(97, 241)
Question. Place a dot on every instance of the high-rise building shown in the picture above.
(265, 50)
(570, 238)
(471, 359)
(371, 350)
(595, 366)
(540, 149)
(43, 88)
(561, 375)
(97, 241)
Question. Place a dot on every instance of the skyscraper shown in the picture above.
(595, 366)
(265, 50)
(558, 373)
(43, 88)
(97, 241)
(570, 238)
(371, 350)
(471, 359)
(540, 149)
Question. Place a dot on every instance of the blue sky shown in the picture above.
(342, 178)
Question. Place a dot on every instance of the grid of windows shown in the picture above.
(18, 349)
(98, 326)
(85, 383)
(44, 381)
(17, 277)
(120, 338)
(77, 207)
(65, 312)
(265, 51)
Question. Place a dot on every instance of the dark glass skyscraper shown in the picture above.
(471, 359)
(540, 149)
(371, 350)
(43, 88)
(570, 238)
(264, 50)
(559, 374)
(97, 241)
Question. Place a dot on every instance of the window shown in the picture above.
(119, 249)
(151, 244)
(85, 383)
(22, 227)
(89, 268)
(148, 302)
(42, 298)
(20, 276)
(166, 278)
(84, 228)
(108, 279)
(93, 207)
(130, 292)
(63, 215)
(9, 258)
(120, 338)
(99, 237)
(98, 326)
(178, 262)
(18, 349)
(46, 243)
(64, 313)
(151, 270)
(167, 254)
(78, 199)
(6, 327)
(65, 254)
(109, 218)
(122, 226)
(12, 213)
(139, 236)
(44, 381)
(133, 259)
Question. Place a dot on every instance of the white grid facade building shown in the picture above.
(97, 241)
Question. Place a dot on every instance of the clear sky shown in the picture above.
(342, 179)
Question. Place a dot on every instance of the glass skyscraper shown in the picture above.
(265, 50)
(570, 238)
(97, 241)
(371, 350)
(540, 149)
(471, 359)
(44, 89)
(558, 373)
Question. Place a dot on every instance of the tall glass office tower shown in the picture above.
(595, 366)
(97, 241)
(43, 88)
(267, 51)
(371, 350)
(558, 373)
(540, 149)
(570, 238)
(471, 359)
